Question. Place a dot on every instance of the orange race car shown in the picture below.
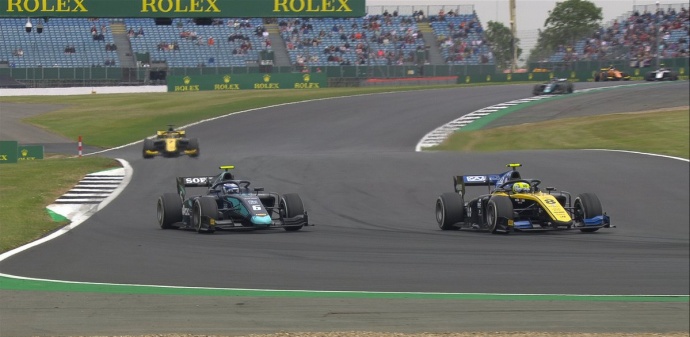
(611, 74)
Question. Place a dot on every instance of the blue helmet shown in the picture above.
(231, 188)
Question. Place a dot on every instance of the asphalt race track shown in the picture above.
(371, 198)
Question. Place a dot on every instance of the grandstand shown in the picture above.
(88, 38)
(440, 38)
(633, 38)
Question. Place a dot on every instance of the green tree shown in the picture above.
(501, 40)
(568, 22)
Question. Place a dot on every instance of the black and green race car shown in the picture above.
(228, 204)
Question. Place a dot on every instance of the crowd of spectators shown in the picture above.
(387, 38)
(639, 38)
(461, 37)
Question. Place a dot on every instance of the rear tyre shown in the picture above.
(148, 146)
(450, 209)
(587, 205)
(169, 210)
(291, 206)
(204, 207)
(499, 209)
(194, 145)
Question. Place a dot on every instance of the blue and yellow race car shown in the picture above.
(228, 204)
(514, 203)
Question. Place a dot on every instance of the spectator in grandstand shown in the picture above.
(211, 41)
(18, 52)
(140, 32)
(418, 15)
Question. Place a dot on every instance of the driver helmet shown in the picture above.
(231, 188)
(520, 187)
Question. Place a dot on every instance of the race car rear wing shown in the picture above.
(183, 182)
(203, 181)
(460, 182)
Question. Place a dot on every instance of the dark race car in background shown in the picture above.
(661, 74)
(247, 209)
(554, 86)
(501, 210)
(170, 143)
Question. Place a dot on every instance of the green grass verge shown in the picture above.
(116, 119)
(27, 187)
(661, 132)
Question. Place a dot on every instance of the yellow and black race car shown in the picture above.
(517, 204)
(170, 143)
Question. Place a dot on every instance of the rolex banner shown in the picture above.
(247, 82)
(29, 152)
(182, 8)
(8, 152)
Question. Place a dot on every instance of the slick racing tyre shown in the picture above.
(450, 209)
(499, 210)
(587, 206)
(291, 206)
(169, 210)
(194, 145)
(204, 207)
(148, 146)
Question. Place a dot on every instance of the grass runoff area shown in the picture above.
(116, 119)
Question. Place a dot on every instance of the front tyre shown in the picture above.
(450, 209)
(587, 206)
(169, 210)
(499, 212)
(148, 146)
(204, 207)
(291, 206)
(194, 145)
